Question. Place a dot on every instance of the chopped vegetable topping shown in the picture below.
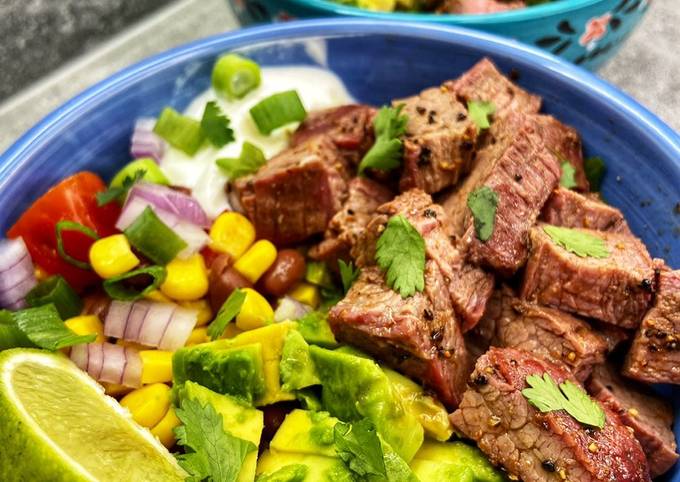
(278, 110)
(568, 172)
(359, 447)
(400, 252)
(348, 274)
(385, 154)
(117, 288)
(45, 329)
(577, 242)
(595, 170)
(317, 274)
(118, 193)
(228, 311)
(287, 473)
(248, 162)
(235, 76)
(545, 395)
(215, 125)
(153, 238)
(483, 202)
(56, 290)
(72, 226)
(180, 131)
(480, 111)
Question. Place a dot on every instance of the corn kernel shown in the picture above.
(256, 260)
(197, 336)
(255, 311)
(112, 256)
(186, 279)
(148, 405)
(306, 294)
(115, 390)
(231, 331)
(164, 430)
(87, 325)
(156, 366)
(156, 295)
(232, 233)
(205, 314)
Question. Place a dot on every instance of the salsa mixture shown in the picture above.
(285, 285)
(444, 6)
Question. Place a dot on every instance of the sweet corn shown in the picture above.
(205, 314)
(231, 331)
(115, 390)
(254, 262)
(306, 293)
(255, 311)
(148, 405)
(112, 256)
(186, 279)
(197, 336)
(156, 295)
(232, 233)
(87, 325)
(156, 366)
(164, 430)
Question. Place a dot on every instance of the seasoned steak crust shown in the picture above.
(573, 210)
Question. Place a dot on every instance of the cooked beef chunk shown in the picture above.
(612, 335)
(296, 193)
(616, 289)
(546, 332)
(655, 354)
(650, 417)
(483, 82)
(535, 446)
(573, 210)
(479, 6)
(439, 143)
(349, 223)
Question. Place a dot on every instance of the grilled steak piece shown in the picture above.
(479, 6)
(348, 224)
(612, 335)
(535, 446)
(616, 289)
(655, 354)
(483, 82)
(439, 142)
(296, 193)
(545, 332)
(650, 417)
(573, 210)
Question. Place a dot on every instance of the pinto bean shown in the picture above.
(288, 269)
(223, 281)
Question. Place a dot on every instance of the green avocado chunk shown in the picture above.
(305, 432)
(319, 468)
(297, 367)
(451, 460)
(354, 388)
(287, 473)
(315, 329)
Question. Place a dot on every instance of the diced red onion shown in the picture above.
(290, 309)
(95, 359)
(132, 376)
(182, 205)
(17, 275)
(114, 364)
(106, 362)
(166, 326)
(145, 142)
(79, 356)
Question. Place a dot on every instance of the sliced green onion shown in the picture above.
(250, 160)
(44, 327)
(235, 76)
(73, 226)
(318, 274)
(230, 308)
(117, 289)
(10, 335)
(180, 131)
(152, 173)
(57, 291)
(278, 110)
(153, 238)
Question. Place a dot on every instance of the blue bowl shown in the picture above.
(92, 131)
(586, 32)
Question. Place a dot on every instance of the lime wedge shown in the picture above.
(58, 425)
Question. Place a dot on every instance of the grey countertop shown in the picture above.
(647, 68)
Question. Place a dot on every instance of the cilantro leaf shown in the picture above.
(546, 396)
(581, 244)
(483, 202)
(230, 308)
(568, 179)
(119, 192)
(215, 125)
(595, 169)
(359, 447)
(211, 452)
(248, 162)
(287, 473)
(43, 327)
(348, 274)
(479, 111)
(400, 252)
(385, 154)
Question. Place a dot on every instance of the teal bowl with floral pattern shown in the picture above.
(585, 32)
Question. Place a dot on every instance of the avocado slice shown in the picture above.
(306, 432)
(239, 419)
(315, 329)
(297, 368)
(354, 388)
(287, 473)
(319, 468)
(438, 459)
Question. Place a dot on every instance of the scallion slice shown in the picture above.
(250, 160)
(117, 288)
(180, 131)
(235, 76)
(10, 335)
(57, 291)
(72, 226)
(44, 327)
(278, 110)
(153, 238)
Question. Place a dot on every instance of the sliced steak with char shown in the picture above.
(654, 356)
(545, 332)
(616, 289)
(650, 417)
(439, 142)
(541, 447)
(573, 210)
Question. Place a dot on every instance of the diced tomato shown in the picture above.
(73, 199)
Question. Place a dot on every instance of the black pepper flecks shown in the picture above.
(421, 110)
(430, 213)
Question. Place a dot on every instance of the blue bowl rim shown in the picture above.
(35, 137)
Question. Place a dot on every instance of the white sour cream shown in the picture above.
(318, 89)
